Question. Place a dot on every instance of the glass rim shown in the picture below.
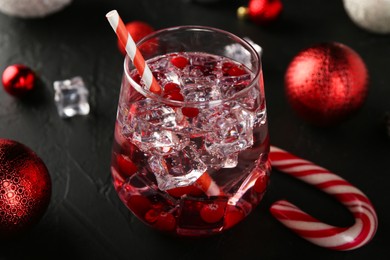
(154, 96)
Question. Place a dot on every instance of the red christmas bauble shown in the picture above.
(137, 30)
(326, 83)
(25, 188)
(264, 11)
(18, 80)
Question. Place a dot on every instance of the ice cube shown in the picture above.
(150, 127)
(217, 161)
(233, 132)
(177, 170)
(200, 89)
(71, 97)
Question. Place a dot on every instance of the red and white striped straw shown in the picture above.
(313, 230)
(208, 186)
(131, 49)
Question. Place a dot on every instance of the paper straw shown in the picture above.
(208, 186)
(131, 49)
(205, 182)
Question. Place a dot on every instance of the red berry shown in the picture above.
(190, 111)
(125, 165)
(165, 222)
(261, 184)
(187, 190)
(174, 96)
(171, 87)
(152, 215)
(226, 66)
(139, 204)
(233, 216)
(179, 62)
(137, 78)
(212, 213)
(236, 71)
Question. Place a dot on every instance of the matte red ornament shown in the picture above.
(18, 80)
(25, 188)
(137, 30)
(264, 11)
(326, 83)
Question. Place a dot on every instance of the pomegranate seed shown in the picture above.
(190, 111)
(212, 213)
(139, 204)
(165, 222)
(152, 215)
(233, 216)
(236, 71)
(226, 66)
(137, 78)
(171, 87)
(179, 62)
(187, 190)
(261, 184)
(174, 96)
(125, 165)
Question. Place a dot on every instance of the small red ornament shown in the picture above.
(261, 11)
(18, 80)
(326, 83)
(25, 188)
(137, 30)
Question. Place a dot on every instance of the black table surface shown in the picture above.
(85, 218)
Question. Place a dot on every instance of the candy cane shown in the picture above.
(311, 229)
(135, 55)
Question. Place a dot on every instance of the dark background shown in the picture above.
(86, 220)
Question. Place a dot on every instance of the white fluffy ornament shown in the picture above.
(31, 8)
(372, 15)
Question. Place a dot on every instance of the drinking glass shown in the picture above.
(193, 159)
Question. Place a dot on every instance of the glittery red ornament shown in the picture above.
(326, 83)
(261, 11)
(25, 188)
(137, 30)
(18, 80)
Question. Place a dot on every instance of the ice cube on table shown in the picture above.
(177, 170)
(71, 97)
(233, 132)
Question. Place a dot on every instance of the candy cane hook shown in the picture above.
(311, 229)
